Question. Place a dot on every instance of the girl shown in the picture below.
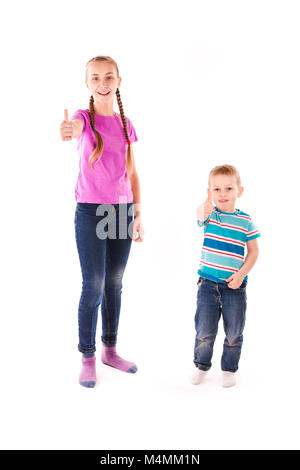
(107, 182)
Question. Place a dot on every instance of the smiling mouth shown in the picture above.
(103, 94)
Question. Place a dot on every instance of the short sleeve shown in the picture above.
(80, 114)
(253, 231)
(201, 224)
(131, 131)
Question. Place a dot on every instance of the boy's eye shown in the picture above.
(217, 189)
(96, 78)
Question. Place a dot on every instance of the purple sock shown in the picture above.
(111, 358)
(87, 376)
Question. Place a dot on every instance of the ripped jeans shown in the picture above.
(213, 300)
(103, 262)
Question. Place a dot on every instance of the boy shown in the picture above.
(223, 273)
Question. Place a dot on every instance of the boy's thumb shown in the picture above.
(66, 118)
(209, 195)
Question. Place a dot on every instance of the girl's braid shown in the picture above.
(92, 113)
(99, 142)
(129, 158)
(122, 114)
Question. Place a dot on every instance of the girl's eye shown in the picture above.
(216, 189)
(229, 189)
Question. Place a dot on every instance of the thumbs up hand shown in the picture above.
(66, 128)
(206, 208)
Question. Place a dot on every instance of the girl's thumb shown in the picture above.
(66, 115)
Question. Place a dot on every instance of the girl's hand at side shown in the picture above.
(137, 229)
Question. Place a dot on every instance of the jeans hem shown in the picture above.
(228, 370)
(86, 351)
(201, 367)
(109, 344)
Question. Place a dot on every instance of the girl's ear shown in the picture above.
(119, 82)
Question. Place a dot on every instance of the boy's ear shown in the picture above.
(240, 191)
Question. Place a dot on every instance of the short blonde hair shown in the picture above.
(225, 170)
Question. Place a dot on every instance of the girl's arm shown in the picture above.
(135, 186)
(77, 126)
(138, 229)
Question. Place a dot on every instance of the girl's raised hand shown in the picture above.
(206, 208)
(66, 128)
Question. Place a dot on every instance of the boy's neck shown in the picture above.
(229, 211)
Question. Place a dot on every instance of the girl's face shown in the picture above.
(102, 81)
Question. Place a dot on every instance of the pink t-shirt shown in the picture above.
(109, 182)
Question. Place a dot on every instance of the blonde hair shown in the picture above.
(225, 170)
(98, 151)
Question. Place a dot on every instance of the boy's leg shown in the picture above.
(206, 322)
(234, 303)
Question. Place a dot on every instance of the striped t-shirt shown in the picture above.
(225, 237)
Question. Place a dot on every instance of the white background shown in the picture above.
(204, 83)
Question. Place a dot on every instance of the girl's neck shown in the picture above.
(104, 110)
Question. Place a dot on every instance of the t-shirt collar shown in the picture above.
(229, 213)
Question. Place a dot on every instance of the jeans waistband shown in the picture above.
(244, 283)
(214, 282)
(92, 205)
(102, 209)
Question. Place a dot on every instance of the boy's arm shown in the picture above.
(252, 255)
(204, 211)
(236, 279)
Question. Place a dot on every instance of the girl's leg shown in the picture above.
(91, 251)
(117, 253)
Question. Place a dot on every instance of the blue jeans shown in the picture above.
(102, 261)
(213, 300)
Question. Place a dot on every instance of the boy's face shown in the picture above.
(224, 190)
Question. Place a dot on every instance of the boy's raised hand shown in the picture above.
(206, 208)
(66, 127)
